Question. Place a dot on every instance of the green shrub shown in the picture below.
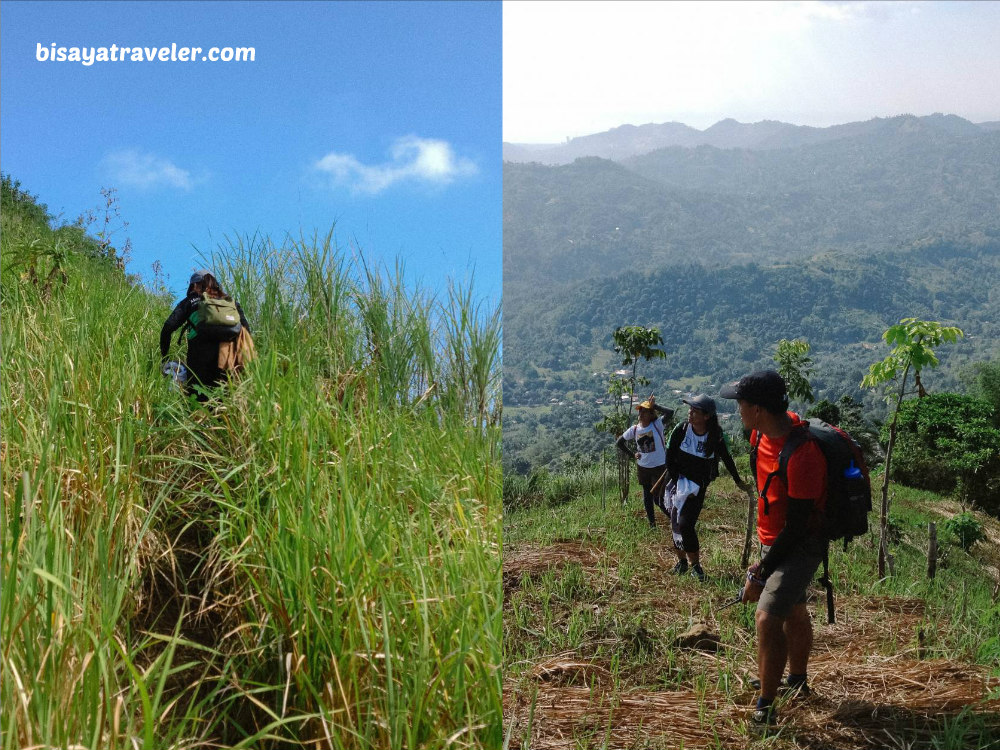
(946, 443)
(966, 529)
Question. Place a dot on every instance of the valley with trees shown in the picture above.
(729, 251)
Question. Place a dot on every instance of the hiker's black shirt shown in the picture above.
(699, 469)
(202, 356)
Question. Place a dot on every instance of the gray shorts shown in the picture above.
(787, 585)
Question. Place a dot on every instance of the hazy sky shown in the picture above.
(573, 68)
(380, 117)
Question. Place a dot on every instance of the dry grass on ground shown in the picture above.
(873, 686)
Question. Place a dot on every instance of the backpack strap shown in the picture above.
(187, 322)
(795, 438)
(663, 441)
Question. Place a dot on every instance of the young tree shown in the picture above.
(984, 383)
(632, 343)
(614, 424)
(795, 366)
(912, 341)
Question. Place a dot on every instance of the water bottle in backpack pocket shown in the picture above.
(855, 501)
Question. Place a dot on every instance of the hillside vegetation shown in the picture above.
(310, 559)
(604, 648)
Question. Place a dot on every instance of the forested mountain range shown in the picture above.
(728, 251)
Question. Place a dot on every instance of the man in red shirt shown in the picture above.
(791, 539)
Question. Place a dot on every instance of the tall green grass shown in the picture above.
(312, 558)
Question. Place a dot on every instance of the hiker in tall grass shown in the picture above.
(790, 533)
(203, 346)
(650, 455)
(693, 453)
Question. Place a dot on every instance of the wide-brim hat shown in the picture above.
(647, 404)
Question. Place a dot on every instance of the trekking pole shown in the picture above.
(751, 507)
(657, 484)
(732, 602)
(604, 480)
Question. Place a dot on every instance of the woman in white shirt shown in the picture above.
(651, 455)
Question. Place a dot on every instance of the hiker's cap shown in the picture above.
(764, 387)
(647, 404)
(701, 402)
(199, 275)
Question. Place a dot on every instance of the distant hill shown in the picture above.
(868, 193)
(730, 250)
(631, 140)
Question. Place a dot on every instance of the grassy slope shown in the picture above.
(312, 559)
(591, 613)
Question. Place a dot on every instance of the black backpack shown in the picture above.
(848, 485)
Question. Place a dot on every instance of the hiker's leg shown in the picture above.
(195, 386)
(799, 636)
(647, 500)
(772, 650)
(647, 477)
(783, 605)
(202, 365)
(674, 534)
(687, 520)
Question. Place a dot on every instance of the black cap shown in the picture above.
(199, 275)
(701, 402)
(764, 387)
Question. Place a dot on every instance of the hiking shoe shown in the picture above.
(800, 689)
(764, 718)
(697, 572)
(680, 568)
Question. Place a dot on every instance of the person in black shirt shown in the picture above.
(693, 454)
(202, 355)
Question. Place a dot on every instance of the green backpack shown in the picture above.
(215, 319)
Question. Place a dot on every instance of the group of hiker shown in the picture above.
(792, 492)
(675, 472)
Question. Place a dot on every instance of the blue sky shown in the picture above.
(570, 69)
(382, 118)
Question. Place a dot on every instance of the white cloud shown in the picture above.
(414, 159)
(137, 169)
